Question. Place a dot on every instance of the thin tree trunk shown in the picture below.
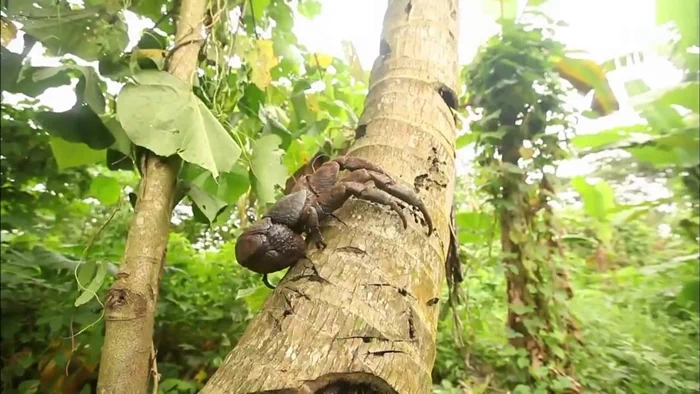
(519, 220)
(368, 318)
(131, 302)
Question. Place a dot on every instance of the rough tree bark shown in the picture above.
(368, 317)
(131, 302)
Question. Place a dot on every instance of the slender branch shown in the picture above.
(167, 14)
(255, 24)
(318, 68)
(154, 368)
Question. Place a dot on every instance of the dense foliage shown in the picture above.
(271, 105)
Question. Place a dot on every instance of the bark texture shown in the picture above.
(131, 302)
(366, 317)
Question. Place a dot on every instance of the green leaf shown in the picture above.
(659, 113)
(298, 99)
(71, 154)
(185, 126)
(90, 33)
(309, 8)
(89, 90)
(150, 9)
(519, 308)
(11, 65)
(466, 139)
(351, 114)
(684, 14)
(686, 95)
(636, 87)
(253, 98)
(267, 167)
(510, 333)
(559, 352)
(233, 184)
(273, 119)
(610, 138)
(689, 295)
(301, 151)
(258, 7)
(522, 389)
(94, 286)
(562, 383)
(122, 143)
(254, 297)
(598, 199)
(78, 124)
(35, 80)
(106, 189)
(586, 75)
(523, 362)
(230, 185)
(660, 156)
(283, 16)
(511, 168)
(86, 271)
(208, 204)
(473, 227)
(29, 386)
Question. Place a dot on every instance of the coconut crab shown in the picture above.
(275, 242)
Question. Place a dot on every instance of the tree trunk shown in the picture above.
(523, 272)
(131, 302)
(367, 318)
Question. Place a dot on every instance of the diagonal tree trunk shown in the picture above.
(131, 302)
(368, 316)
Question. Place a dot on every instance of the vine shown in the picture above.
(522, 131)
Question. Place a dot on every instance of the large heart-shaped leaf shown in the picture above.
(161, 114)
(91, 33)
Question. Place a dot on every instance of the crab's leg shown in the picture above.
(384, 182)
(355, 163)
(310, 220)
(388, 185)
(345, 189)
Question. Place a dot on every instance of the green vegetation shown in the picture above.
(67, 181)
